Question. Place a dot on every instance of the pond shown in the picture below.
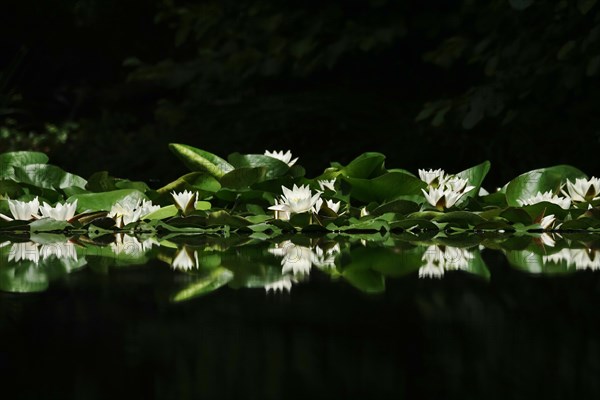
(328, 316)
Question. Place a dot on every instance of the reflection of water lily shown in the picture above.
(325, 259)
(280, 155)
(579, 258)
(24, 211)
(130, 245)
(126, 213)
(60, 212)
(185, 201)
(583, 189)
(27, 251)
(562, 202)
(185, 259)
(296, 259)
(440, 259)
(280, 285)
(61, 250)
(297, 200)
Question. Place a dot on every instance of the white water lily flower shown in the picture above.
(185, 201)
(297, 200)
(562, 202)
(280, 285)
(483, 192)
(583, 189)
(547, 239)
(24, 211)
(441, 198)
(332, 205)
(60, 212)
(548, 221)
(185, 260)
(457, 184)
(28, 251)
(280, 155)
(282, 215)
(432, 177)
(126, 213)
(327, 184)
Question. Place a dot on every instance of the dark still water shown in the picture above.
(256, 318)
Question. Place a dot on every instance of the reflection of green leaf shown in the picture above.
(27, 278)
(533, 262)
(539, 180)
(366, 280)
(200, 160)
(207, 284)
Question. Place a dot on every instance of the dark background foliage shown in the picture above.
(106, 84)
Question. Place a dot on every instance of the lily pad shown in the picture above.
(200, 160)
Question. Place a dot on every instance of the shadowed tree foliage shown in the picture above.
(442, 84)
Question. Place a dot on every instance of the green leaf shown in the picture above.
(200, 160)
(101, 182)
(47, 177)
(104, 201)
(10, 188)
(460, 218)
(48, 225)
(541, 180)
(365, 166)
(163, 212)
(387, 187)
(193, 181)
(475, 176)
(274, 167)
(243, 177)
(403, 207)
(19, 159)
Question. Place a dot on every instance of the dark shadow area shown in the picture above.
(106, 85)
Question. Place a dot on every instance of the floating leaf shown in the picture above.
(104, 201)
(47, 176)
(365, 166)
(274, 167)
(200, 160)
(539, 180)
(387, 187)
